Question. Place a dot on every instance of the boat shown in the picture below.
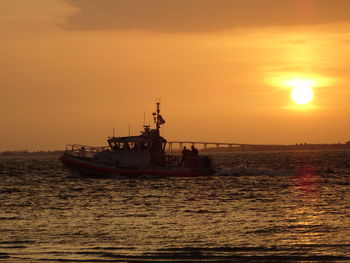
(133, 156)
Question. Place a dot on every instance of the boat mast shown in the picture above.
(158, 117)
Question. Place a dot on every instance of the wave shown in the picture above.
(190, 254)
(246, 171)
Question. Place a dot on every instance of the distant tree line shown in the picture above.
(29, 153)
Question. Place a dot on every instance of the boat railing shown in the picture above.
(171, 160)
(188, 161)
(84, 151)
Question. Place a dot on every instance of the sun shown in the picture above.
(302, 95)
(302, 92)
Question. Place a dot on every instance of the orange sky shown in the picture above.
(71, 70)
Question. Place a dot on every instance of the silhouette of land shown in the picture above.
(30, 153)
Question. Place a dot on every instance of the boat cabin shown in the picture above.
(147, 149)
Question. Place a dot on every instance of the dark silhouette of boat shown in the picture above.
(136, 155)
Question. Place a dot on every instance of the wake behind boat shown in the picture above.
(136, 155)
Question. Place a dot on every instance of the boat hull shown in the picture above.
(88, 167)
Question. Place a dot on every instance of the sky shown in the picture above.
(72, 70)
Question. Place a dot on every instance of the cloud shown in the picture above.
(202, 15)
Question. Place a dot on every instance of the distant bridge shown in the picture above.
(242, 146)
(205, 144)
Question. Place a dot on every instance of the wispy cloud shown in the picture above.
(202, 15)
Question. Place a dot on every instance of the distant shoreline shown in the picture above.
(30, 153)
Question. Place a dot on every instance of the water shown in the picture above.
(259, 207)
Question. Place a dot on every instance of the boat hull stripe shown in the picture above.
(112, 171)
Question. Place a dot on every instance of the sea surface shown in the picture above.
(258, 207)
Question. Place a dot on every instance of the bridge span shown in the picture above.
(181, 144)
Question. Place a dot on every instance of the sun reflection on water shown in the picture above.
(305, 215)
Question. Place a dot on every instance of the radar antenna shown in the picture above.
(158, 119)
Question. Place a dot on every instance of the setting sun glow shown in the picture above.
(302, 92)
(302, 95)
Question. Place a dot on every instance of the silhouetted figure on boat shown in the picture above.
(194, 151)
(185, 152)
(188, 156)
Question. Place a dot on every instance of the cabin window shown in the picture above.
(135, 146)
(114, 146)
(124, 146)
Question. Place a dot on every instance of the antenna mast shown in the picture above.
(144, 118)
(157, 116)
(158, 119)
